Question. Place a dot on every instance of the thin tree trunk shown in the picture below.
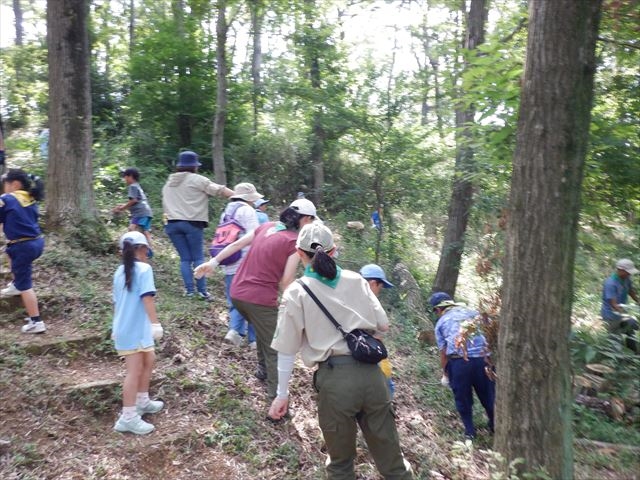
(462, 195)
(132, 26)
(257, 17)
(220, 118)
(70, 188)
(534, 397)
(17, 13)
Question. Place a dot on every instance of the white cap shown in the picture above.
(304, 207)
(627, 265)
(136, 238)
(315, 234)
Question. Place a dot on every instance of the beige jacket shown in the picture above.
(185, 196)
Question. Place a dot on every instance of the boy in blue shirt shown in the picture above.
(137, 205)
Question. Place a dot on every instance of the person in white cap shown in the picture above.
(615, 292)
(350, 393)
(135, 327)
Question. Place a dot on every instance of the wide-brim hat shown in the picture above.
(245, 191)
(188, 159)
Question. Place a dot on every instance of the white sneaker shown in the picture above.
(253, 346)
(10, 291)
(34, 327)
(136, 425)
(233, 338)
(154, 406)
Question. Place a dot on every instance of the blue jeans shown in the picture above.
(189, 242)
(464, 378)
(236, 321)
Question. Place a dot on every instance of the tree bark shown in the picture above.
(17, 13)
(257, 17)
(70, 187)
(462, 194)
(534, 385)
(220, 117)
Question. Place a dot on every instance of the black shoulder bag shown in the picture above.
(364, 347)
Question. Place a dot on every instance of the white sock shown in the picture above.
(142, 399)
(128, 413)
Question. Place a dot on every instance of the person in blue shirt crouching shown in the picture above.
(465, 373)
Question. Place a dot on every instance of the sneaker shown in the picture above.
(10, 290)
(233, 338)
(188, 294)
(149, 253)
(136, 425)
(34, 327)
(206, 296)
(253, 346)
(261, 372)
(154, 406)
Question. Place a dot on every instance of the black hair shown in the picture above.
(132, 172)
(30, 183)
(291, 218)
(191, 169)
(129, 261)
(322, 262)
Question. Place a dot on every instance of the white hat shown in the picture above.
(313, 235)
(246, 191)
(304, 207)
(136, 238)
(627, 265)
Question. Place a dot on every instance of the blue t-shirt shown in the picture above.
(614, 287)
(448, 328)
(131, 324)
(19, 215)
(262, 217)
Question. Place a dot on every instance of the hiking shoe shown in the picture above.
(261, 372)
(34, 327)
(154, 406)
(206, 296)
(233, 338)
(10, 290)
(253, 346)
(136, 425)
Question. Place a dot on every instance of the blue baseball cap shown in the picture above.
(438, 298)
(260, 202)
(373, 271)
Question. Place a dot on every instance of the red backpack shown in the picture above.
(227, 232)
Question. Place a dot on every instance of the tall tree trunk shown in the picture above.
(220, 118)
(319, 135)
(17, 13)
(132, 26)
(70, 187)
(534, 383)
(257, 17)
(183, 119)
(462, 194)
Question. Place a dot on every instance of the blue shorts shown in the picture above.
(143, 222)
(22, 255)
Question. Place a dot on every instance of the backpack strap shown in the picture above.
(232, 214)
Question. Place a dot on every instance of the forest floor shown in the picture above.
(61, 394)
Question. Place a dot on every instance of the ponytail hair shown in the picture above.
(30, 183)
(322, 262)
(290, 218)
(129, 261)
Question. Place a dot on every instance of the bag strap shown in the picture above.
(322, 307)
(232, 214)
